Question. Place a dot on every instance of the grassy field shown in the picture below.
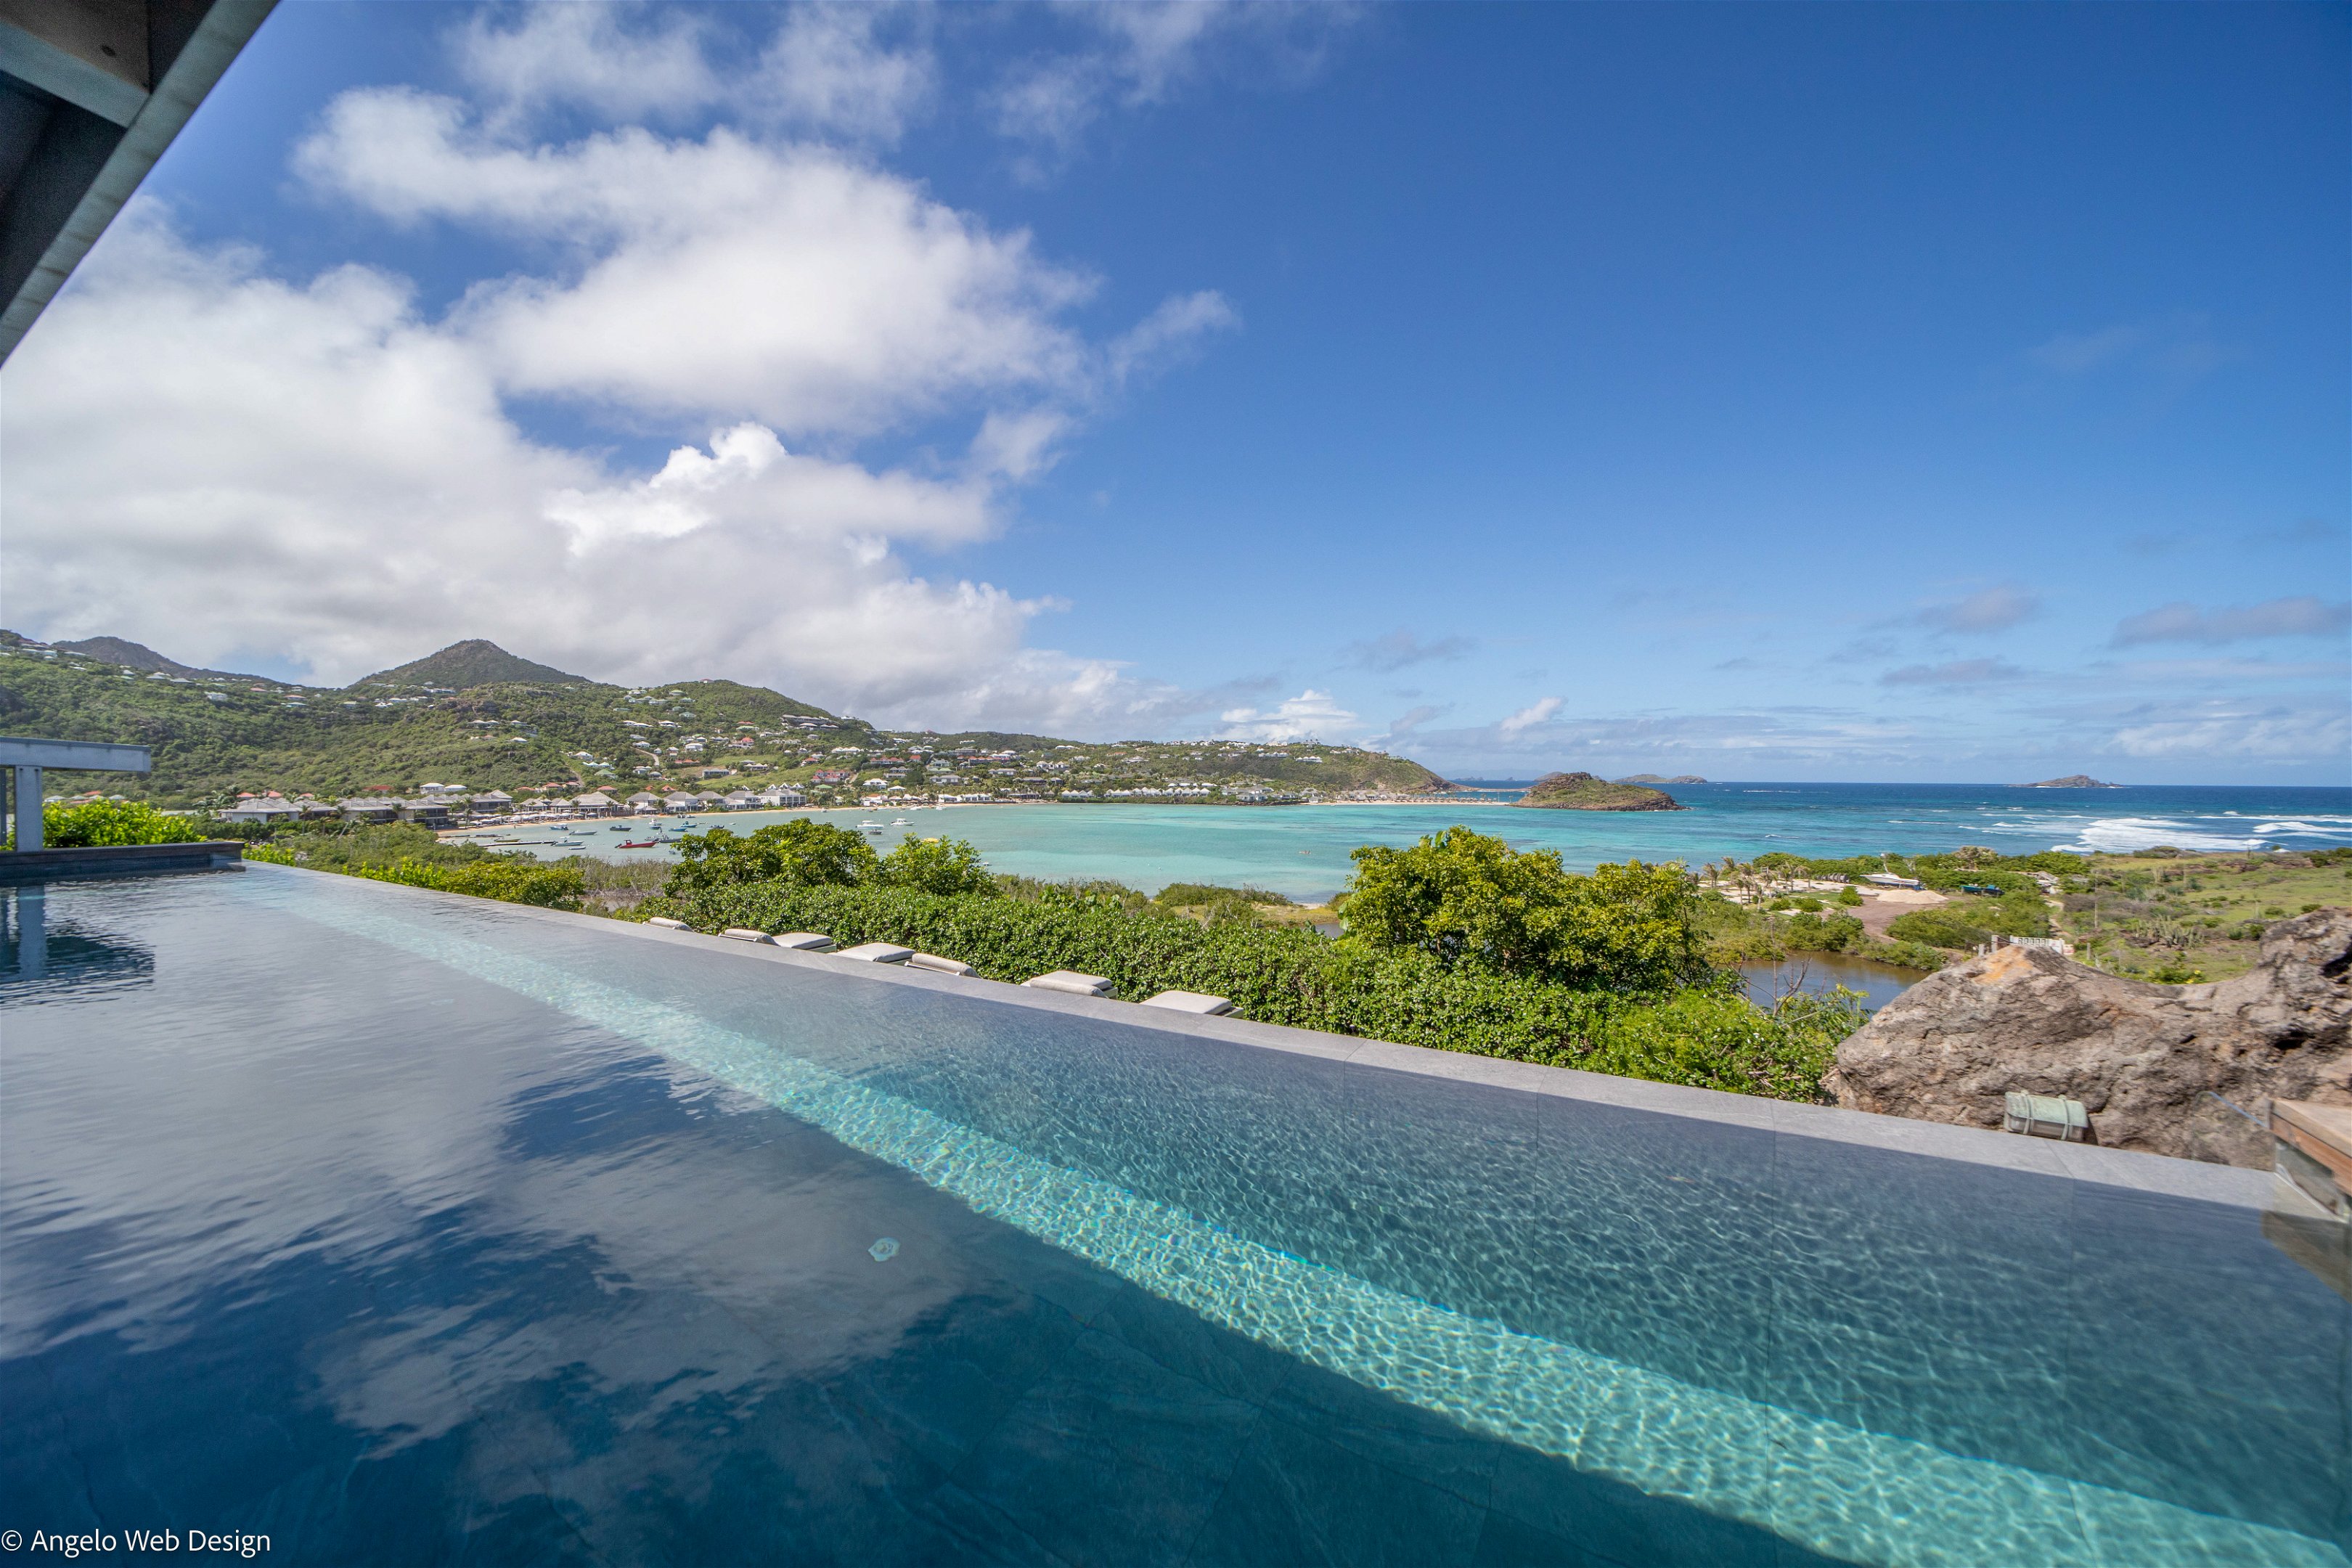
(2169, 918)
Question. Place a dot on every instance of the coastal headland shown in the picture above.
(1583, 792)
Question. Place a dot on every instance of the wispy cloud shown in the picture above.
(1993, 609)
(1959, 672)
(1533, 713)
(1139, 53)
(2274, 732)
(1400, 648)
(2302, 533)
(2177, 348)
(1407, 722)
(2300, 616)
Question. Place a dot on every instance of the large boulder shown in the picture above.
(2164, 1069)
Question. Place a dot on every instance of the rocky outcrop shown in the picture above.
(2160, 1067)
(2072, 781)
(1583, 792)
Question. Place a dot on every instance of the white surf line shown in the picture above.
(1862, 1496)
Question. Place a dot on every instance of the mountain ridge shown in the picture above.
(469, 663)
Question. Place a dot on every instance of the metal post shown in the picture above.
(28, 808)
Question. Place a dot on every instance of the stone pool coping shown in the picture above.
(2156, 1174)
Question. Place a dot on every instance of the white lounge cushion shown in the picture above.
(804, 941)
(744, 934)
(1071, 981)
(1190, 1002)
(876, 953)
(933, 962)
(666, 923)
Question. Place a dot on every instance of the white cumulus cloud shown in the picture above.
(1310, 715)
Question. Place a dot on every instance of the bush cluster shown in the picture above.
(512, 881)
(106, 823)
(1707, 1034)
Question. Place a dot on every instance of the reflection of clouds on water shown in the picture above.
(1533, 1271)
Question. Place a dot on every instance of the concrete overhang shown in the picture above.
(91, 92)
(22, 751)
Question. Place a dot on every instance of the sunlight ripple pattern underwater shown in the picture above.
(1862, 1496)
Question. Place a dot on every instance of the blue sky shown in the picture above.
(1764, 392)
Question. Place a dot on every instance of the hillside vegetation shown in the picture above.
(1583, 792)
(477, 716)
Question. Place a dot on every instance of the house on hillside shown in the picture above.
(367, 808)
(780, 796)
(434, 813)
(263, 808)
(681, 801)
(495, 800)
(710, 800)
(740, 800)
(645, 802)
(596, 803)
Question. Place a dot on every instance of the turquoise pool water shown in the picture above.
(402, 1229)
(1302, 851)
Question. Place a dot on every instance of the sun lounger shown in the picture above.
(1071, 982)
(744, 934)
(667, 923)
(938, 965)
(1190, 1002)
(876, 953)
(806, 942)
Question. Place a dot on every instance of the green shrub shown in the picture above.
(1469, 900)
(1291, 975)
(1823, 933)
(514, 882)
(941, 865)
(106, 823)
(1181, 895)
(1936, 927)
(1908, 955)
(802, 850)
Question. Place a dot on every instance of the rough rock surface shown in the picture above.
(2147, 1061)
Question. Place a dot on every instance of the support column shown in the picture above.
(28, 808)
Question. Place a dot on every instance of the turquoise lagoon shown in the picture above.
(1302, 851)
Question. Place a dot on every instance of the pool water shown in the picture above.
(402, 1228)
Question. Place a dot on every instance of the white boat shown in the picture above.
(870, 827)
(901, 822)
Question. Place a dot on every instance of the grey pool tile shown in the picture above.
(1388, 1432)
(1297, 1498)
(1507, 1542)
(1614, 1523)
(953, 1377)
(1188, 1344)
(1109, 1458)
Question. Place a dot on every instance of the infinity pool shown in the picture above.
(401, 1229)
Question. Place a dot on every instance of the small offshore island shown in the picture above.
(1583, 792)
(2074, 781)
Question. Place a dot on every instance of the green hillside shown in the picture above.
(523, 728)
(462, 666)
(1583, 792)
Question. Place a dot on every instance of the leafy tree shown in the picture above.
(802, 851)
(1469, 900)
(941, 865)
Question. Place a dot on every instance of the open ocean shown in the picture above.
(1302, 850)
